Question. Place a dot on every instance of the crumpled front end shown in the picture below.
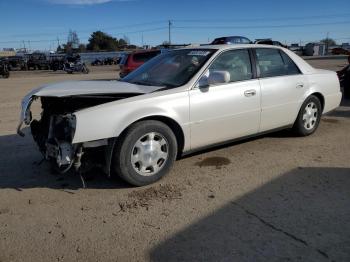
(53, 132)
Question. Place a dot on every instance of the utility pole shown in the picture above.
(142, 39)
(327, 43)
(58, 42)
(170, 24)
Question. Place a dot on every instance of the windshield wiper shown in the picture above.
(142, 83)
(166, 87)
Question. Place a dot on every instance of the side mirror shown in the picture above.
(218, 77)
(214, 78)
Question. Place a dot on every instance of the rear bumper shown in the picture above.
(332, 102)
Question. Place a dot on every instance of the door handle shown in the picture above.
(300, 85)
(250, 92)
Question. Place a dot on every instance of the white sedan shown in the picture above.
(176, 103)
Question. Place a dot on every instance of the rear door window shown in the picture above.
(273, 62)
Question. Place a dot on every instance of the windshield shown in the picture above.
(171, 69)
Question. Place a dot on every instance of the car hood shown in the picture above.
(73, 88)
(76, 88)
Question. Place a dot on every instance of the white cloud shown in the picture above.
(84, 2)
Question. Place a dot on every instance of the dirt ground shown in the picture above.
(272, 198)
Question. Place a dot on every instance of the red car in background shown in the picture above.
(133, 60)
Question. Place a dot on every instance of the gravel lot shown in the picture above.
(272, 198)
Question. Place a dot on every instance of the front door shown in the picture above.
(228, 110)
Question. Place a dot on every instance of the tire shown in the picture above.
(346, 91)
(129, 158)
(309, 117)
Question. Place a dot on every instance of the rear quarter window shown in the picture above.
(291, 67)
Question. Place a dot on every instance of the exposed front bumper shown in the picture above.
(25, 115)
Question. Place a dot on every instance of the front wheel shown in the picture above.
(309, 117)
(144, 153)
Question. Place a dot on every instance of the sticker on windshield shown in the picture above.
(200, 53)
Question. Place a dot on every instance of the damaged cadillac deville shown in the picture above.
(178, 102)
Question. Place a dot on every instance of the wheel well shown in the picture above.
(174, 126)
(320, 97)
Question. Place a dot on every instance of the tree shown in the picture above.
(328, 41)
(102, 41)
(82, 48)
(122, 43)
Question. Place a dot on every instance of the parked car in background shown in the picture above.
(296, 49)
(133, 60)
(176, 103)
(97, 62)
(4, 71)
(231, 40)
(38, 61)
(277, 43)
(17, 63)
(57, 61)
(109, 61)
(340, 51)
(269, 41)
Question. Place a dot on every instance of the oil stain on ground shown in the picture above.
(216, 161)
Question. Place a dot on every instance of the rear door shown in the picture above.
(282, 88)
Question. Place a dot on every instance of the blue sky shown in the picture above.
(40, 22)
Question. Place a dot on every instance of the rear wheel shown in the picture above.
(309, 117)
(145, 152)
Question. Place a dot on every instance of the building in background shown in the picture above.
(315, 49)
(7, 52)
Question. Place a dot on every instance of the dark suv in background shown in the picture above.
(38, 61)
(133, 60)
(269, 41)
(17, 63)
